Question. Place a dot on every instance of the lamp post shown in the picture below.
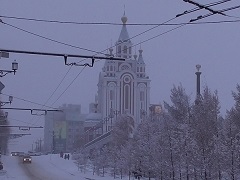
(14, 69)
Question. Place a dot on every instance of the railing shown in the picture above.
(99, 138)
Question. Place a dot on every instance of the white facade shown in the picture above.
(124, 87)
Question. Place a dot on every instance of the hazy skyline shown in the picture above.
(170, 58)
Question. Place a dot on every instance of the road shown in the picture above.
(41, 168)
(37, 171)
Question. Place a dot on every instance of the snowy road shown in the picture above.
(46, 167)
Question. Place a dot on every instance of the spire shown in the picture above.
(124, 33)
(111, 49)
(140, 57)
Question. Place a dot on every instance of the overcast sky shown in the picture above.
(170, 58)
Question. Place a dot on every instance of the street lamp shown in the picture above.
(10, 99)
(14, 66)
(14, 69)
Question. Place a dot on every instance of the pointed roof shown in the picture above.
(124, 37)
(140, 57)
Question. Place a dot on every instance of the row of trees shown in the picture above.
(188, 140)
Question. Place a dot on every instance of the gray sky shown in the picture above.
(170, 58)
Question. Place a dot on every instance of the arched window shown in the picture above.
(140, 69)
(119, 50)
(141, 96)
(111, 95)
(130, 50)
(127, 96)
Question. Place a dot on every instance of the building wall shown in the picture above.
(65, 126)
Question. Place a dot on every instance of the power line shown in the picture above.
(145, 40)
(108, 23)
(68, 86)
(210, 14)
(29, 101)
(175, 24)
(21, 121)
(106, 49)
(50, 39)
(54, 91)
(58, 85)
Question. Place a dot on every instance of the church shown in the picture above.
(123, 89)
(123, 86)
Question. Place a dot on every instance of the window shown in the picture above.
(111, 95)
(127, 93)
(141, 96)
(130, 50)
(125, 49)
(119, 49)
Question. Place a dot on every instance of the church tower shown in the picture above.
(123, 87)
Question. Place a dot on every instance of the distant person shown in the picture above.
(61, 154)
(65, 156)
(1, 166)
(68, 156)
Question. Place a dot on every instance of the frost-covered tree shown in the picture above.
(180, 111)
(204, 125)
(122, 130)
(232, 127)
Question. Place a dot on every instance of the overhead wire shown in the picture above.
(58, 85)
(68, 86)
(176, 24)
(186, 12)
(22, 99)
(224, 10)
(104, 23)
(103, 50)
(50, 39)
(55, 90)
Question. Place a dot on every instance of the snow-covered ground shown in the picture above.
(47, 167)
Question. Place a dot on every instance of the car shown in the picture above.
(17, 154)
(14, 153)
(27, 159)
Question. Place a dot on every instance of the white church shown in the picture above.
(123, 86)
(123, 89)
